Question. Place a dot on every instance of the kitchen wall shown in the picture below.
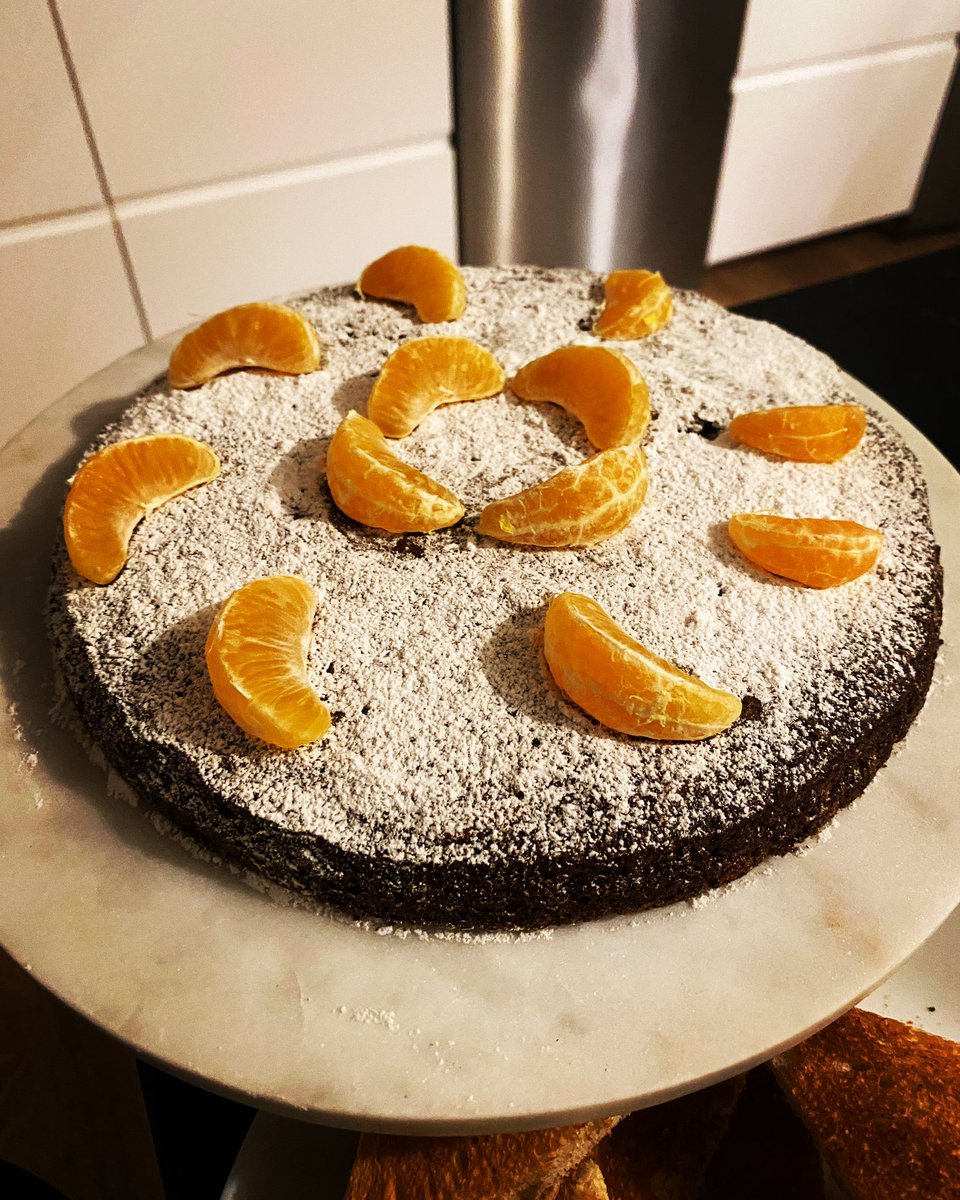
(163, 159)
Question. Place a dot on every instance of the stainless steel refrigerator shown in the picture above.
(590, 132)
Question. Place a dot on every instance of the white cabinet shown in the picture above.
(778, 35)
(834, 108)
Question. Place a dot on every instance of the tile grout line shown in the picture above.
(273, 178)
(230, 187)
(100, 171)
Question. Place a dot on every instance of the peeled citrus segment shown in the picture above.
(578, 506)
(810, 550)
(623, 684)
(422, 374)
(120, 485)
(369, 483)
(419, 276)
(602, 388)
(819, 433)
(271, 336)
(256, 653)
(636, 304)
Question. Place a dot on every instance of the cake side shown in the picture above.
(458, 786)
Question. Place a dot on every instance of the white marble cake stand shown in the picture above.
(320, 1019)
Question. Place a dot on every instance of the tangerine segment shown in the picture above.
(602, 388)
(120, 485)
(369, 483)
(419, 276)
(257, 659)
(272, 336)
(636, 304)
(623, 684)
(422, 374)
(809, 550)
(578, 506)
(819, 433)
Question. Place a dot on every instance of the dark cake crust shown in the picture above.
(511, 892)
(753, 795)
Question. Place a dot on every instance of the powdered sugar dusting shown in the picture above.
(451, 742)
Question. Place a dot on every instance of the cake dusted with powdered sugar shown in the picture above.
(458, 787)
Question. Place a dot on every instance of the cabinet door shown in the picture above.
(823, 147)
(776, 34)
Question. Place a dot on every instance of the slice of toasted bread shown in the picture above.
(882, 1100)
(767, 1152)
(585, 1182)
(662, 1153)
(501, 1166)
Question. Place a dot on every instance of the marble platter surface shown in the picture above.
(323, 1020)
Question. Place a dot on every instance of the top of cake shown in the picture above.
(451, 744)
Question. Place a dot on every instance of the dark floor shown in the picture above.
(819, 260)
(197, 1134)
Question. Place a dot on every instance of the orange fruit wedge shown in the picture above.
(120, 485)
(819, 433)
(636, 304)
(809, 550)
(602, 388)
(271, 336)
(256, 653)
(370, 484)
(427, 372)
(419, 276)
(578, 506)
(624, 685)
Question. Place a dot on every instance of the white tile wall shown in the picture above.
(45, 165)
(249, 150)
(227, 246)
(65, 312)
(187, 91)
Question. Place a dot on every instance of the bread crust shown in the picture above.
(585, 1182)
(882, 1100)
(503, 1166)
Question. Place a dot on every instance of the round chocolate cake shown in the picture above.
(458, 786)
